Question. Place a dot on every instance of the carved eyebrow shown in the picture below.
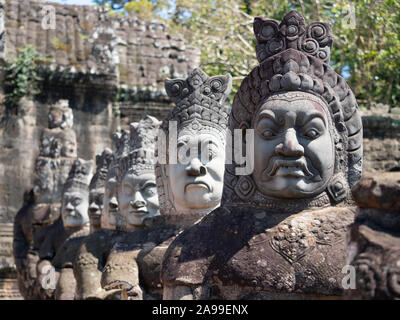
(208, 142)
(148, 183)
(269, 115)
(304, 119)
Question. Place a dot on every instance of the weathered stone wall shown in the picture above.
(381, 141)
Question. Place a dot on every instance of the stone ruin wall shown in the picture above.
(90, 57)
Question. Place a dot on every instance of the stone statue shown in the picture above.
(374, 248)
(93, 252)
(97, 188)
(56, 153)
(280, 230)
(188, 191)
(194, 182)
(64, 237)
(137, 200)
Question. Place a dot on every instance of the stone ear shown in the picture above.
(244, 125)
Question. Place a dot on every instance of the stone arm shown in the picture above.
(65, 288)
(121, 272)
(88, 266)
(46, 281)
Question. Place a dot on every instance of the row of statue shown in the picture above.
(141, 228)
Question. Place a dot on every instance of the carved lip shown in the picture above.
(112, 212)
(197, 184)
(94, 213)
(139, 212)
(294, 168)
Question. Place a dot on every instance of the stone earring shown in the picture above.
(336, 188)
(245, 187)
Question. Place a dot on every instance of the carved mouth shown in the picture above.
(293, 168)
(94, 213)
(197, 184)
(139, 212)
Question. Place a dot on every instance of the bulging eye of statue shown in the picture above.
(268, 134)
(267, 128)
(77, 201)
(211, 155)
(183, 152)
(312, 134)
(210, 152)
(150, 189)
(314, 129)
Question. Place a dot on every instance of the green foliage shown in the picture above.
(143, 9)
(22, 76)
(367, 52)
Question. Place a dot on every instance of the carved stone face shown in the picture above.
(138, 198)
(60, 118)
(294, 151)
(95, 206)
(55, 118)
(196, 181)
(74, 208)
(110, 202)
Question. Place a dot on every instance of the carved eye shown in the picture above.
(77, 201)
(312, 134)
(268, 134)
(150, 189)
(211, 155)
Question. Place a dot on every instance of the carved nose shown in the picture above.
(69, 206)
(114, 203)
(94, 207)
(196, 168)
(137, 201)
(290, 147)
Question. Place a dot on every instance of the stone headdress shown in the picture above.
(103, 162)
(136, 149)
(199, 103)
(200, 108)
(120, 147)
(294, 56)
(79, 176)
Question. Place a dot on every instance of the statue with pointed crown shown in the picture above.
(201, 99)
(190, 179)
(137, 201)
(280, 232)
(95, 248)
(97, 188)
(63, 238)
(57, 151)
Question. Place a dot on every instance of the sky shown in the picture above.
(79, 2)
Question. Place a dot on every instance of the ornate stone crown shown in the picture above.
(294, 56)
(273, 37)
(79, 176)
(103, 162)
(136, 149)
(199, 101)
(199, 108)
